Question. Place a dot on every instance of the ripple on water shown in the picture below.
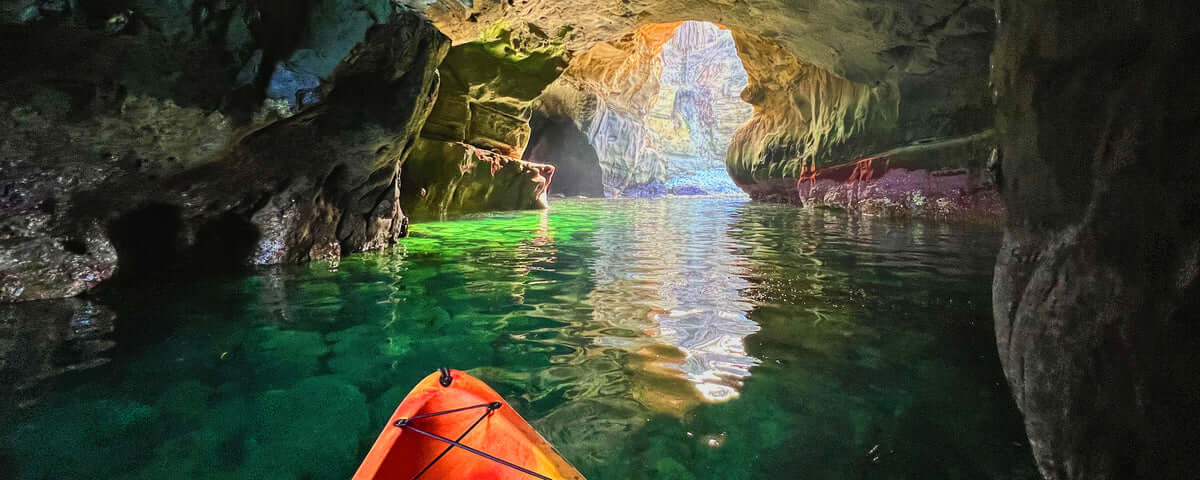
(672, 338)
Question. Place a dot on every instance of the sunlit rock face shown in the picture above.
(144, 150)
(831, 83)
(468, 156)
(1097, 285)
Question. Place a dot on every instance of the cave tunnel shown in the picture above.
(912, 238)
(667, 133)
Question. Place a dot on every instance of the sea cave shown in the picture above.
(649, 239)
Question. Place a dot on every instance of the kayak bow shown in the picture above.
(454, 426)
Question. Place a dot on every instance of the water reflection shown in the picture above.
(841, 347)
(672, 275)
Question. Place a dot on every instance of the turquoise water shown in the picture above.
(674, 338)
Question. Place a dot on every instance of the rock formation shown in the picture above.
(468, 156)
(831, 82)
(556, 140)
(1096, 294)
(123, 159)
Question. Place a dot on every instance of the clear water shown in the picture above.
(675, 338)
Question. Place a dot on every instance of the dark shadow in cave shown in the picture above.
(556, 140)
(152, 246)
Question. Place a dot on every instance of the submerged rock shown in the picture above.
(43, 339)
(279, 444)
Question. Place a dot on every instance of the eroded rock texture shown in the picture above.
(468, 156)
(1097, 301)
(830, 82)
(946, 179)
(147, 146)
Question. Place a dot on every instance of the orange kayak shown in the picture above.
(454, 426)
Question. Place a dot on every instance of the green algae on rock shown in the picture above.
(468, 156)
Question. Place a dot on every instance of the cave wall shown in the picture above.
(139, 143)
(468, 156)
(832, 82)
(1095, 290)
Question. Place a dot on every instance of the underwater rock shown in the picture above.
(279, 444)
(46, 338)
(94, 427)
(363, 355)
(282, 357)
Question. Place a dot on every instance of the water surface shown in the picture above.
(674, 338)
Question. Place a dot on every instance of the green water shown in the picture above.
(689, 338)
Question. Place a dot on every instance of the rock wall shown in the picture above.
(480, 124)
(1096, 291)
(831, 81)
(139, 150)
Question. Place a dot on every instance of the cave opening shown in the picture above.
(650, 114)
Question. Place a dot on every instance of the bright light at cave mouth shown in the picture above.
(698, 109)
(674, 139)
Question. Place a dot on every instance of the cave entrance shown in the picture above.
(649, 114)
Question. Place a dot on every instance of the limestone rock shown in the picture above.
(557, 141)
(939, 180)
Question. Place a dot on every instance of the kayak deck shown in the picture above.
(454, 426)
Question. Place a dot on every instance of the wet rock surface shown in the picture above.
(115, 158)
(944, 180)
(447, 178)
(1095, 290)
